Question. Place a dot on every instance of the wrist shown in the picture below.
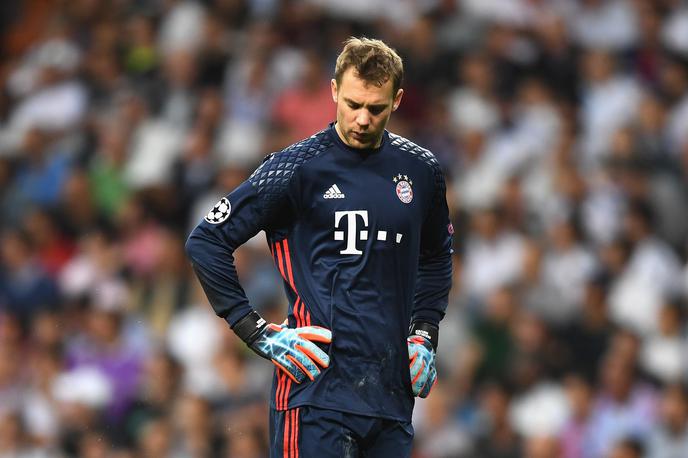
(250, 327)
(428, 331)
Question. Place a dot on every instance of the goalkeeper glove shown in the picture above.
(421, 349)
(290, 349)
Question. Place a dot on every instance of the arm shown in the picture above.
(432, 290)
(210, 246)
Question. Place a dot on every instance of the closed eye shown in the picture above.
(373, 109)
(377, 109)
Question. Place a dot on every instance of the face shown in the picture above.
(363, 109)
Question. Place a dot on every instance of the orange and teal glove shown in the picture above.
(290, 349)
(421, 350)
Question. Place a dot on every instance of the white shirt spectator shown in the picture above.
(541, 411)
(653, 272)
(155, 146)
(491, 264)
(675, 31)
(567, 272)
(613, 420)
(664, 357)
(56, 53)
(471, 111)
(478, 182)
(182, 28)
(399, 12)
(55, 107)
(676, 130)
(664, 443)
(602, 211)
(508, 152)
(193, 338)
(606, 107)
(608, 24)
(514, 12)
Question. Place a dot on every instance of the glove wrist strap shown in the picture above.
(249, 327)
(426, 330)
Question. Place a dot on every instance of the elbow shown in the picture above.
(203, 245)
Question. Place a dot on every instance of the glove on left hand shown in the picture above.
(422, 365)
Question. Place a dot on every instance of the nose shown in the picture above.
(363, 119)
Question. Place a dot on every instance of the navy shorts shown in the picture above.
(310, 432)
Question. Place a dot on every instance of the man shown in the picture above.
(357, 221)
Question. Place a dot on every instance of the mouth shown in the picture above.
(360, 137)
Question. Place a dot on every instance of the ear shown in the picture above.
(333, 86)
(397, 99)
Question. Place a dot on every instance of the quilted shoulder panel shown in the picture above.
(272, 177)
(423, 155)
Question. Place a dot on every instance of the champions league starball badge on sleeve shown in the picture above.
(404, 188)
(220, 212)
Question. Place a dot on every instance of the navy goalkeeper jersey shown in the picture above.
(362, 239)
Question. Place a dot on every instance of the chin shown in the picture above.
(361, 145)
(353, 142)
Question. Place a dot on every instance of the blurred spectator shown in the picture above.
(624, 407)
(472, 106)
(493, 255)
(12, 378)
(627, 448)
(40, 408)
(669, 437)
(587, 336)
(439, 436)
(651, 273)
(13, 441)
(576, 433)
(542, 447)
(156, 441)
(193, 338)
(156, 394)
(663, 353)
(106, 347)
(53, 248)
(492, 335)
(496, 437)
(605, 24)
(610, 99)
(163, 291)
(50, 98)
(299, 111)
(41, 173)
(25, 288)
(108, 184)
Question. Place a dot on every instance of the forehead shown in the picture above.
(354, 88)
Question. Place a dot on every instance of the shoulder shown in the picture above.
(416, 152)
(405, 145)
(278, 168)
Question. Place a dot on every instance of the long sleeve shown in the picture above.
(211, 246)
(257, 204)
(435, 263)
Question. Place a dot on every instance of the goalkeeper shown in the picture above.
(357, 222)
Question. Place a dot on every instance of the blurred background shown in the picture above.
(562, 127)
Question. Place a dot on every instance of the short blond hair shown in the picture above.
(373, 61)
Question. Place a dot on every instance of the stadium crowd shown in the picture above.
(562, 127)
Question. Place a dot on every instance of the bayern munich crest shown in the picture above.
(404, 188)
(220, 212)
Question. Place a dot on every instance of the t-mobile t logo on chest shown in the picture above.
(352, 232)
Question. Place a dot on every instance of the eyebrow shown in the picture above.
(372, 105)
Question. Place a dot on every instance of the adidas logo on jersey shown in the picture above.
(333, 193)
